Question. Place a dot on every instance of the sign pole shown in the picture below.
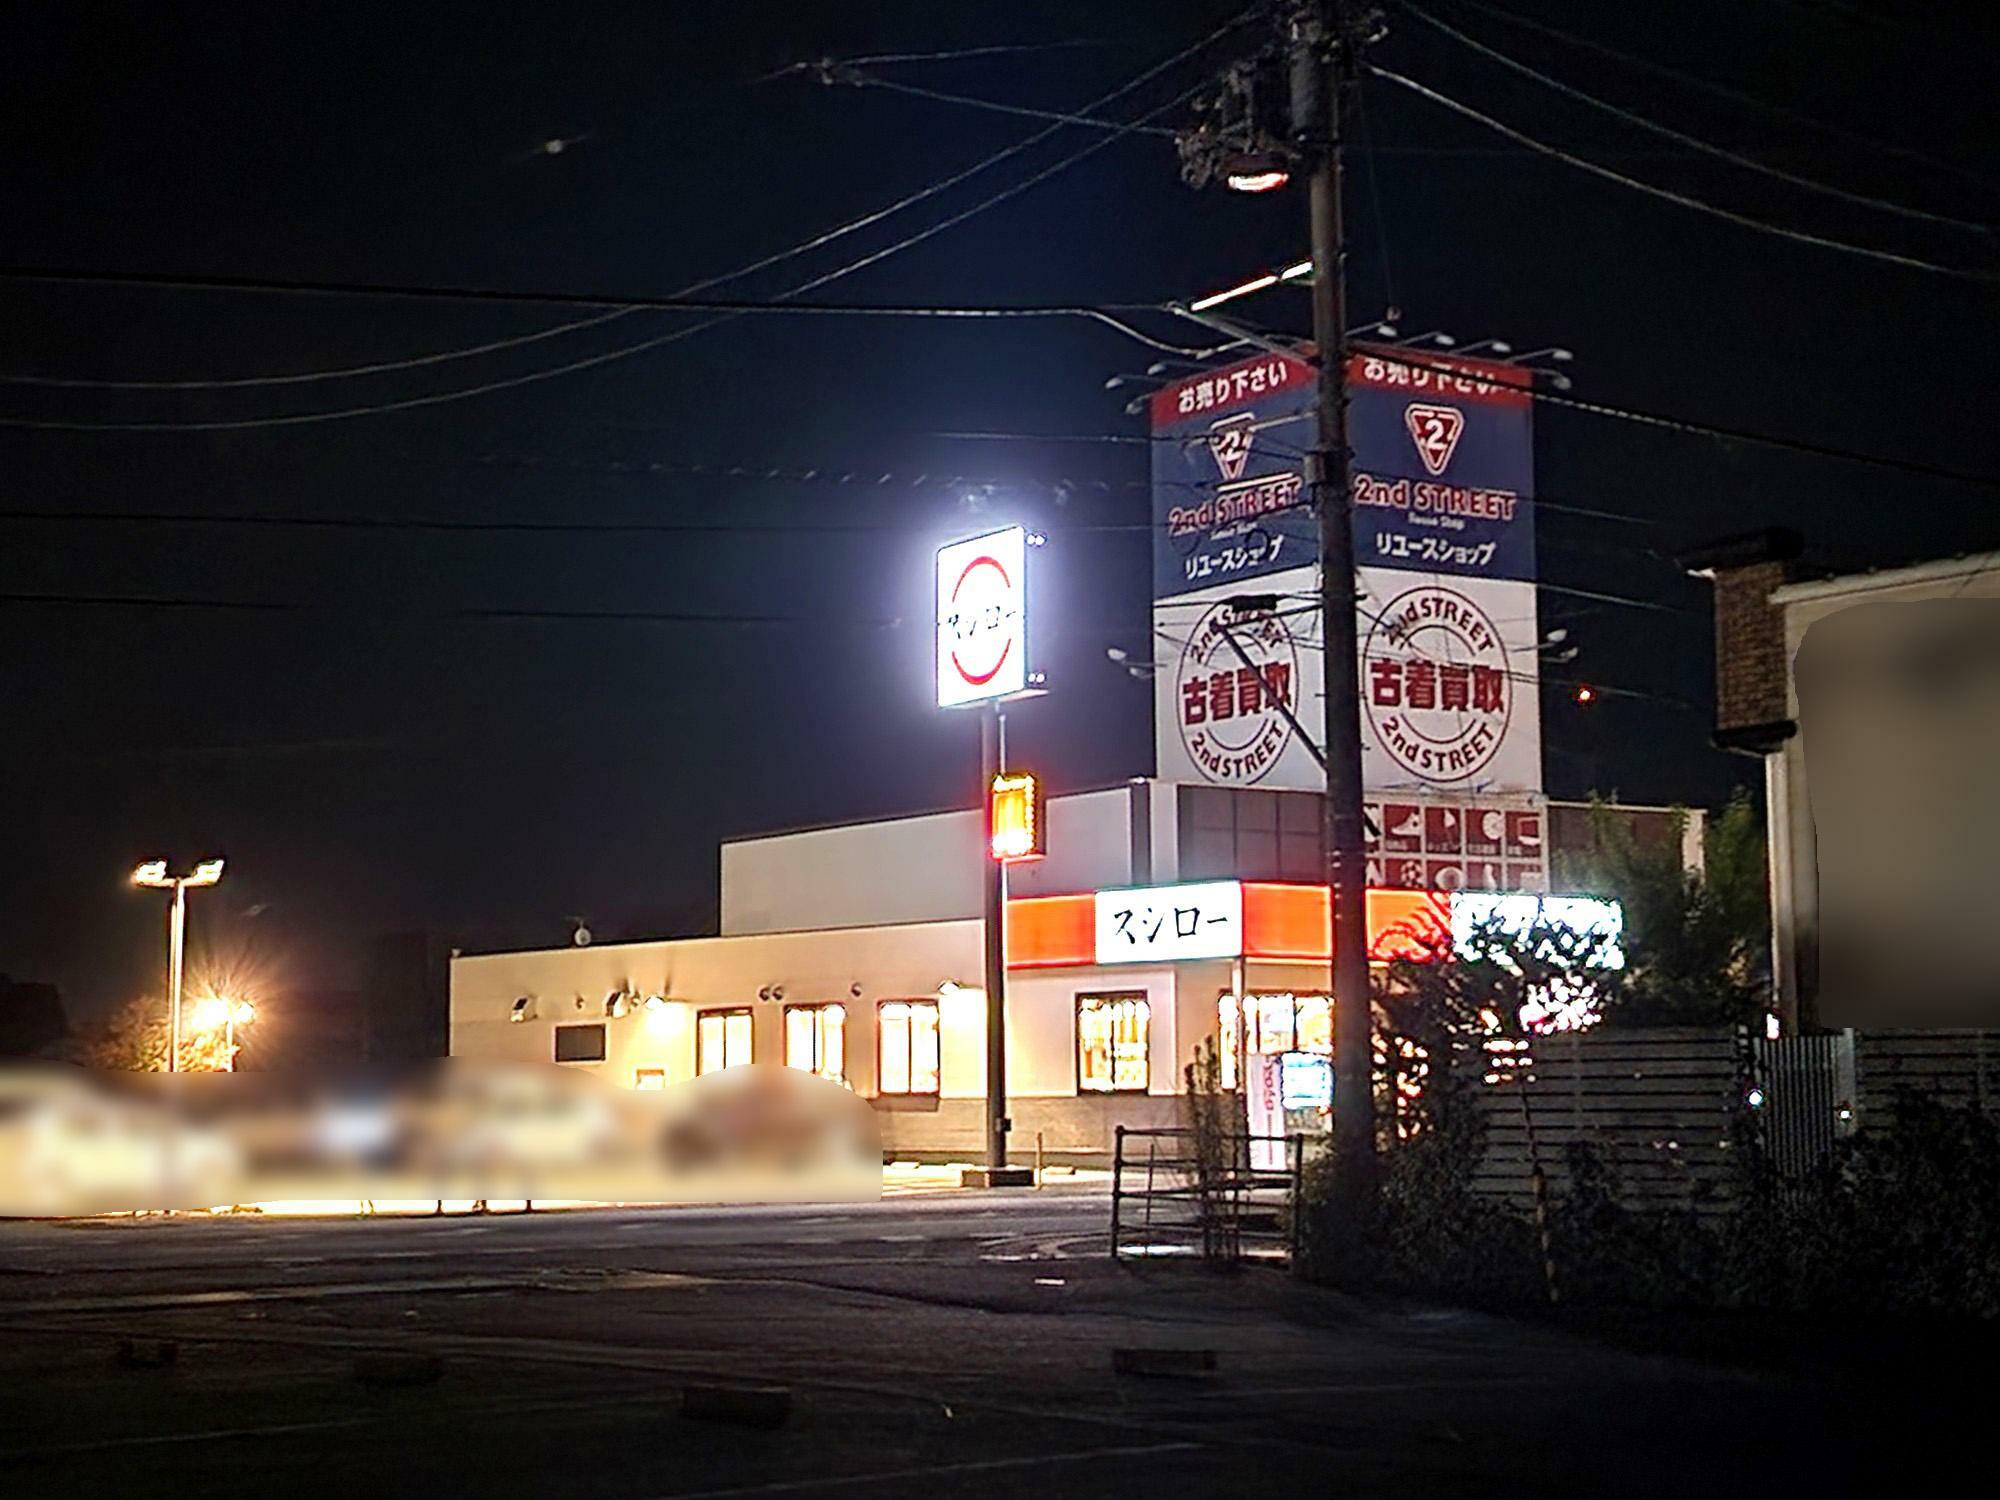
(991, 743)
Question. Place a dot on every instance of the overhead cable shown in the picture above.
(1721, 91)
(625, 351)
(1669, 195)
(1695, 143)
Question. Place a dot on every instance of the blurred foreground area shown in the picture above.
(74, 1141)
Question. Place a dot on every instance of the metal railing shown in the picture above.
(1168, 1197)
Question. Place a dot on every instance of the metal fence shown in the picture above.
(1166, 1201)
(1671, 1109)
(1960, 1069)
(1804, 1099)
(1660, 1108)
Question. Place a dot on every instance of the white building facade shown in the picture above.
(855, 952)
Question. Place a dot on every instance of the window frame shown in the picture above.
(724, 1012)
(881, 1041)
(818, 1007)
(1112, 997)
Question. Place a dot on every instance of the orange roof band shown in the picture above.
(1279, 921)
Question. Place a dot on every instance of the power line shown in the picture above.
(1690, 427)
(628, 301)
(1719, 91)
(1669, 195)
(883, 58)
(502, 527)
(1535, 680)
(309, 377)
(805, 246)
(1682, 425)
(859, 79)
(625, 305)
(1809, 184)
(259, 606)
(725, 309)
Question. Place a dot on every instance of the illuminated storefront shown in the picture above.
(1111, 995)
(856, 953)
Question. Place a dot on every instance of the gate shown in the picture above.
(1165, 1202)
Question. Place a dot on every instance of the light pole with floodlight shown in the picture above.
(153, 875)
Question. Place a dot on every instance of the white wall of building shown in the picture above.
(925, 869)
(569, 986)
(1794, 856)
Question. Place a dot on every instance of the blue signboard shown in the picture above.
(1443, 469)
(1443, 465)
(1229, 496)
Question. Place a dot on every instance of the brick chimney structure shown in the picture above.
(1752, 699)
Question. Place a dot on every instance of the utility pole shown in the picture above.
(1277, 116)
(1321, 60)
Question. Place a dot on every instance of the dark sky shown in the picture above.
(367, 757)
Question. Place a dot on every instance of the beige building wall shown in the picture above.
(571, 986)
(921, 869)
(1794, 857)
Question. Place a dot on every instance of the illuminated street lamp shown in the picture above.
(218, 1011)
(153, 875)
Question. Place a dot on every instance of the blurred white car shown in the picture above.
(71, 1146)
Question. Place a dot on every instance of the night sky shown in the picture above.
(368, 757)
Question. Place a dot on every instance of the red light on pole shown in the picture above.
(1586, 694)
(1015, 817)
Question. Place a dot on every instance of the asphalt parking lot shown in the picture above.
(957, 1344)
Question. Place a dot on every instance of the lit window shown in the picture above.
(816, 1040)
(721, 1040)
(580, 1043)
(1112, 1033)
(908, 1033)
(1276, 1024)
(1227, 1014)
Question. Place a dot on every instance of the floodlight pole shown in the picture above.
(176, 948)
(153, 875)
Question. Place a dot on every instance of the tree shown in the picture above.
(133, 1039)
(1697, 942)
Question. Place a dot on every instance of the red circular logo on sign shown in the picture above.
(1436, 684)
(1228, 710)
(982, 595)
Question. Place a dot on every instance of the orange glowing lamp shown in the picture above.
(1015, 817)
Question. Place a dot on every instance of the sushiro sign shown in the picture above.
(1445, 547)
(982, 618)
(1165, 923)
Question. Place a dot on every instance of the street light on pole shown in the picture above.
(219, 1011)
(153, 875)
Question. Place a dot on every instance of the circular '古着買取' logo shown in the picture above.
(1228, 710)
(1435, 684)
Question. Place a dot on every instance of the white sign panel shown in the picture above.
(1164, 923)
(1266, 1112)
(1449, 676)
(982, 618)
(1220, 719)
(1450, 685)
